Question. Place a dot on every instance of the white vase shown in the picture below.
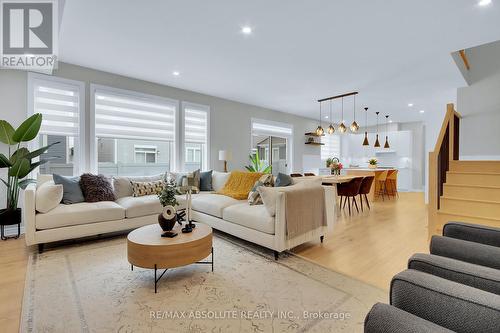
(372, 166)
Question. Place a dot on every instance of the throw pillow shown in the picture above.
(96, 188)
(147, 188)
(239, 184)
(72, 193)
(48, 196)
(123, 186)
(254, 197)
(283, 180)
(219, 180)
(189, 180)
(269, 195)
(206, 181)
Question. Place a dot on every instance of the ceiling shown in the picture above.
(393, 52)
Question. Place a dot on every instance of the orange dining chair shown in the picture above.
(381, 179)
(391, 183)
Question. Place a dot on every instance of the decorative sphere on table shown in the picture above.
(168, 218)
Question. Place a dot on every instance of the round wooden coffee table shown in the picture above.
(147, 249)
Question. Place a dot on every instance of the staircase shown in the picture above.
(467, 191)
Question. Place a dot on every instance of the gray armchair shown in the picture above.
(456, 287)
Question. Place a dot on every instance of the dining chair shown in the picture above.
(381, 180)
(348, 191)
(392, 180)
(309, 174)
(365, 188)
(295, 175)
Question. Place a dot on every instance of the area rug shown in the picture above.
(90, 288)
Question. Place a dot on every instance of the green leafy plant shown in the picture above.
(167, 195)
(331, 160)
(20, 162)
(256, 165)
(372, 161)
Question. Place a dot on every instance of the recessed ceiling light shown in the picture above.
(421, 111)
(410, 104)
(483, 3)
(326, 117)
(246, 30)
(390, 121)
(176, 73)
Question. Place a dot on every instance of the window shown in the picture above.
(61, 104)
(273, 142)
(331, 147)
(134, 134)
(196, 134)
(145, 154)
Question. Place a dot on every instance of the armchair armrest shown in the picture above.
(481, 277)
(473, 233)
(446, 303)
(474, 253)
(28, 213)
(384, 318)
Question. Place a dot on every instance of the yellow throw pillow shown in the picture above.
(239, 184)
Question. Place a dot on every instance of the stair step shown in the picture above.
(475, 166)
(444, 217)
(474, 192)
(473, 178)
(480, 208)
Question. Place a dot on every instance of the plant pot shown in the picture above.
(168, 218)
(372, 166)
(10, 216)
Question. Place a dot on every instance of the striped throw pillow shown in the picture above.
(254, 197)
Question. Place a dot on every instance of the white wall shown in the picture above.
(479, 104)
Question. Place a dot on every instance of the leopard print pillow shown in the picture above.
(147, 188)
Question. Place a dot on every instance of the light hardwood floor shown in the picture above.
(370, 246)
(374, 245)
(13, 261)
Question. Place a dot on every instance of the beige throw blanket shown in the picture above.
(305, 210)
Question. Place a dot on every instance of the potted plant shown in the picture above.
(19, 164)
(334, 165)
(256, 165)
(372, 163)
(168, 200)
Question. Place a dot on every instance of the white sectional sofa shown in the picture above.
(235, 217)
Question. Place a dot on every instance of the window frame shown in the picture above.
(182, 141)
(81, 165)
(92, 129)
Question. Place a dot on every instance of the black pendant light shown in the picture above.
(365, 141)
(354, 125)
(331, 129)
(377, 143)
(319, 129)
(386, 145)
(342, 127)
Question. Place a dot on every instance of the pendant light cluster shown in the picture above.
(354, 127)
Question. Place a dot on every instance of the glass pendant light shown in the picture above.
(342, 127)
(386, 145)
(377, 143)
(319, 129)
(331, 129)
(354, 125)
(365, 141)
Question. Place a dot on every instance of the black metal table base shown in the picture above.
(158, 278)
(2, 232)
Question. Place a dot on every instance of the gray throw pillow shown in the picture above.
(96, 188)
(206, 181)
(283, 180)
(72, 193)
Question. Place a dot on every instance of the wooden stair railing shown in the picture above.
(446, 150)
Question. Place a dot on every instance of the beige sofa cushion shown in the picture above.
(253, 217)
(48, 196)
(80, 213)
(212, 204)
(219, 179)
(123, 188)
(140, 206)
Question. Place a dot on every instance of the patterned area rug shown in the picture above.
(91, 288)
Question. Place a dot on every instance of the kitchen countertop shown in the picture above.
(368, 169)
